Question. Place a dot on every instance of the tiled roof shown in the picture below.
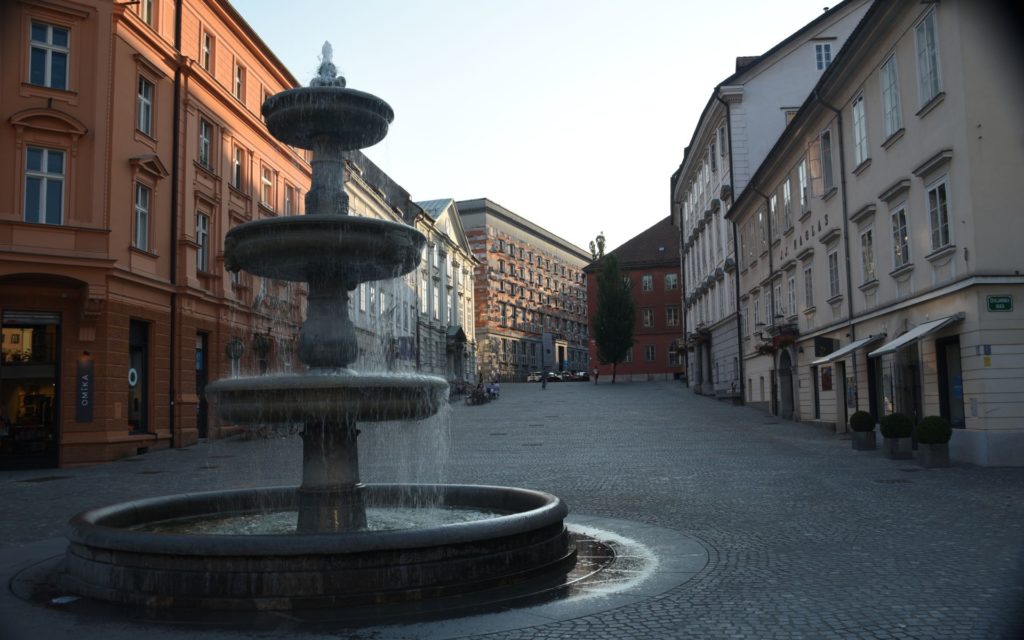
(659, 244)
(435, 208)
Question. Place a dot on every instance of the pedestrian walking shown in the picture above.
(596, 374)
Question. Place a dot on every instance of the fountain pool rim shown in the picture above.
(110, 527)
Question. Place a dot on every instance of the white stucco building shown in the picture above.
(894, 281)
(742, 120)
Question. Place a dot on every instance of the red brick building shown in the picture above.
(651, 262)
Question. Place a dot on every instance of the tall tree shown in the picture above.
(613, 320)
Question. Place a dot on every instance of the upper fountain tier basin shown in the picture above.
(324, 247)
(344, 118)
(331, 397)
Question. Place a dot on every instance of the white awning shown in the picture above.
(915, 334)
(848, 349)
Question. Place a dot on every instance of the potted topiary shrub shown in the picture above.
(896, 431)
(933, 434)
(862, 426)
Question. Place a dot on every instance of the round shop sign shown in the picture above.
(133, 377)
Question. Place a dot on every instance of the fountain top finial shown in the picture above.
(327, 73)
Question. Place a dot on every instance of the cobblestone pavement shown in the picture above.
(808, 538)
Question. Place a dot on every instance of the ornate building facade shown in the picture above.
(530, 293)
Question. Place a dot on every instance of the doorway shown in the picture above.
(786, 384)
(840, 383)
(138, 376)
(202, 377)
(817, 396)
(951, 382)
(29, 390)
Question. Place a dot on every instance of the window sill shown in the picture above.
(836, 299)
(29, 90)
(809, 311)
(931, 104)
(829, 194)
(862, 167)
(902, 271)
(869, 286)
(146, 139)
(894, 138)
(267, 209)
(145, 252)
(788, 232)
(940, 253)
(205, 169)
(806, 213)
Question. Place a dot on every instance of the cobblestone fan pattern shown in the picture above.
(807, 538)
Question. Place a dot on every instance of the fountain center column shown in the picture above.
(331, 497)
(327, 193)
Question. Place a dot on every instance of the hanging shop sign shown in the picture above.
(84, 389)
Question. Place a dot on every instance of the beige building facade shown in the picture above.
(893, 280)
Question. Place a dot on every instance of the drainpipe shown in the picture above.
(846, 238)
(682, 289)
(736, 256)
(175, 177)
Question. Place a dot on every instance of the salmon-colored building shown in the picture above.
(130, 142)
(651, 262)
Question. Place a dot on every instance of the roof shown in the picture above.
(435, 208)
(657, 245)
(485, 206)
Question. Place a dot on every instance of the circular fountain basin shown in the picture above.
(109, 558)
(324, 247)
(330, 397)
(349, 119)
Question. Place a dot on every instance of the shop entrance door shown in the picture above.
(951, 382)
(202, 377)
(29, 392)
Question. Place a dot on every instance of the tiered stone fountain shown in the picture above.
(125, 553)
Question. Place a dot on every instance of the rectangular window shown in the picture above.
(671, 281)
(44, 186)
(203, 240)
(808, 288)
(833, 274)
(822, 55)
(48, 56)
(860, 131)
(267, 187)
(437, 302)
(938, 214)
(207, 53)
(802, 174)
(757, 313)
(146, 11)
(205, 143)
(239, 89)
(927, 59)
(791, 295)
(649, 353)
(236, 168)
(891, 118)
(145, 107)
(773, 214)
(362, 296)
(900, 239)
(787, 205)
(629, 355)
(142, 201)
(647, 282)
(289, 200)
(867, 254)
(777, 292)
(648, 317)
(423, 294)
(672, 316)
(826, 160)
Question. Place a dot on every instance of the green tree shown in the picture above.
(613, 320)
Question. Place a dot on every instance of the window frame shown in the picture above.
(650, 353)
(45, 177)
(145, 106)
(647, 317)
(868, 271)
(822, 55)
(825, 152)
(206, 146)
(932, 72)
(207, 50)
(237, 168)
(889, 81)
(203, 222)
(672, 317)
(944, 226)
(900, 245)
(671, 281)
(809, 287)
(267, 183)
(238, 82)
(834, 284)
(647, 282)
(142, 214)
(49, 48)
(858, 121)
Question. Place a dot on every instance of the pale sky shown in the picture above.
(570, 113)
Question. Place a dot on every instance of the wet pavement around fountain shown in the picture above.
(805, 538)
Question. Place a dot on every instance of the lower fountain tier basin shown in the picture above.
(345, 118)
(325, 248)
(109, 559)
(340, 397)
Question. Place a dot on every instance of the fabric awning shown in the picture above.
(848, 349)
(915, 334)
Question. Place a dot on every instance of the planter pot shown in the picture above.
(933, 455)
(898, 448)
(863, 440)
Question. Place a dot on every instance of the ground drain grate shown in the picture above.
(536, 424)
(46, 478)
(149, 472)
(893, 481)
(911, 470)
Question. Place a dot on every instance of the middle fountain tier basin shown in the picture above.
(344, 396)
(324, 248)
(112, 558)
